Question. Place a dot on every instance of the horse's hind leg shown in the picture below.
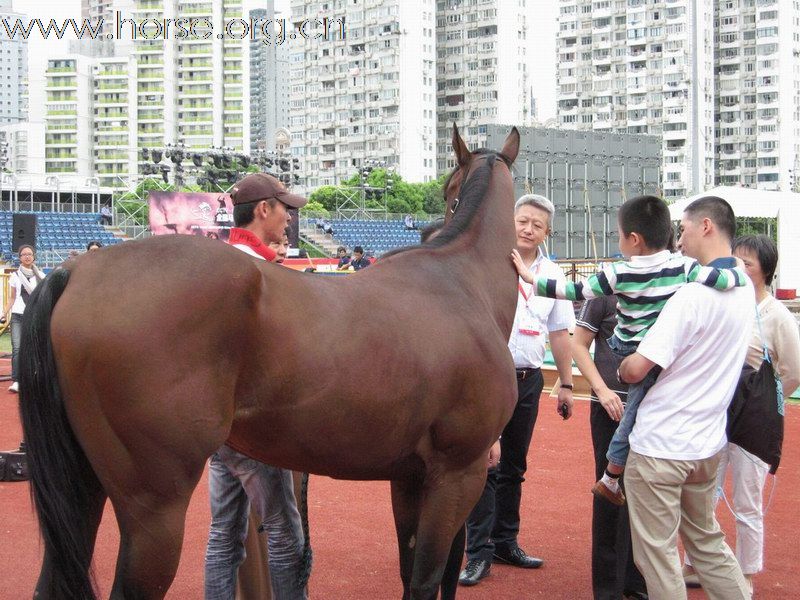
(405, 506)
(453, 567)
(151, 537)
(447, 499)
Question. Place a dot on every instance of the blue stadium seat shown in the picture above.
(59, 231)
(376, 237)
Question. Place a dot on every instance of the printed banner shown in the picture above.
(191, 213)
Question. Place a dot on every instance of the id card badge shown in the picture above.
(529, 323)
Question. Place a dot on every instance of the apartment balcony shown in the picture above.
(204, 49)
(111, 73)
(61, 115)
(63, 143)
(730, 153)
(111, 143)
(195, 66)
(60, 156)
(196, 11)
(115, 158)
(111, 117)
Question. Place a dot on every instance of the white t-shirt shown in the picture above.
(536, 316)
(15, 282)
(700, 340)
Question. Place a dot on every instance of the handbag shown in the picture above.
(756, 411)
(14, 466)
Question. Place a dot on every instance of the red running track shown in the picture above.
(353, 533)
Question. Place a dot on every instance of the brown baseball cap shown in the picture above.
(260, 186)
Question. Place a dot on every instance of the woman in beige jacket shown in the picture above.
(780, 333)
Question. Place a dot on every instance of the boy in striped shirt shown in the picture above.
(642, 284)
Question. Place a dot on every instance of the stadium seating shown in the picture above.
(376, 237)
(58, 231)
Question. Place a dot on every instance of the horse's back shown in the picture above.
(148, 337)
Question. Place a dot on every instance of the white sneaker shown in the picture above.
(14, 387)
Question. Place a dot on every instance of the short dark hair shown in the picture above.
(717, 210)
(765, 250)
(93, 243)
(243, 214)
(430, 229)
(358, 249)
(649, 217)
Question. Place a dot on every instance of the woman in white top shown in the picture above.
(780, 329)
(22, 283)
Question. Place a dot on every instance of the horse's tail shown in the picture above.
(63, 483)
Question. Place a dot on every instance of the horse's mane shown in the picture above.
(467, 206)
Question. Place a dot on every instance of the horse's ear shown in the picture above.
(460, 148)
(511, 145)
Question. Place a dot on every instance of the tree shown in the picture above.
(325, 196)
(315, 207)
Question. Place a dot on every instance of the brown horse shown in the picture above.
(140, 360)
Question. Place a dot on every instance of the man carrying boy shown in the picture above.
(642, 285)
(700, 341)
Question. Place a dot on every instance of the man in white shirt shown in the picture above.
(679, 435)
(493, 525)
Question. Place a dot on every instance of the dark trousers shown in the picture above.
(494, 522)
(613, 571)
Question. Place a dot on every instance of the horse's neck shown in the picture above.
(491, 239)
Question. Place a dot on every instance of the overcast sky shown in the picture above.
(541, 32)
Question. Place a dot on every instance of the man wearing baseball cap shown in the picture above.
(261, 214)
(261, 206)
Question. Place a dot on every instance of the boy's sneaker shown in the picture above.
(14, 387)
(600, 490)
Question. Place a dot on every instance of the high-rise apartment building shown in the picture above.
(106, 13)
(643, 66)
(14, 67)
(68, 118)
(481, 70)
(366, 95)
(758, 93)
(263, 75)
(115, 120)
(168, 90)
(720, 81)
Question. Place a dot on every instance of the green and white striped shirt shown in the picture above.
(642, 285)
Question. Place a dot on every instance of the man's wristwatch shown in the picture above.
(567, 386)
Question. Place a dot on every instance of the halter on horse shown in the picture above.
(139, 360)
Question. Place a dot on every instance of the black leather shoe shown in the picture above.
(634, 595)
(475, 570)
(516, 557)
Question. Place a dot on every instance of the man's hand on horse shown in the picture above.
(494, 455)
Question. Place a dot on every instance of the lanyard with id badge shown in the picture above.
(529, 323)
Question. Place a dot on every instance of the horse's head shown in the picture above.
(467, 162)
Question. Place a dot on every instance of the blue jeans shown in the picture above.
(619, 447)
(234, 481)
(16, 340)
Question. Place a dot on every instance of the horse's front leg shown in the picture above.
(447, 498)
(405, 506)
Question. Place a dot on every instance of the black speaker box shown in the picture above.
(23, 231)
